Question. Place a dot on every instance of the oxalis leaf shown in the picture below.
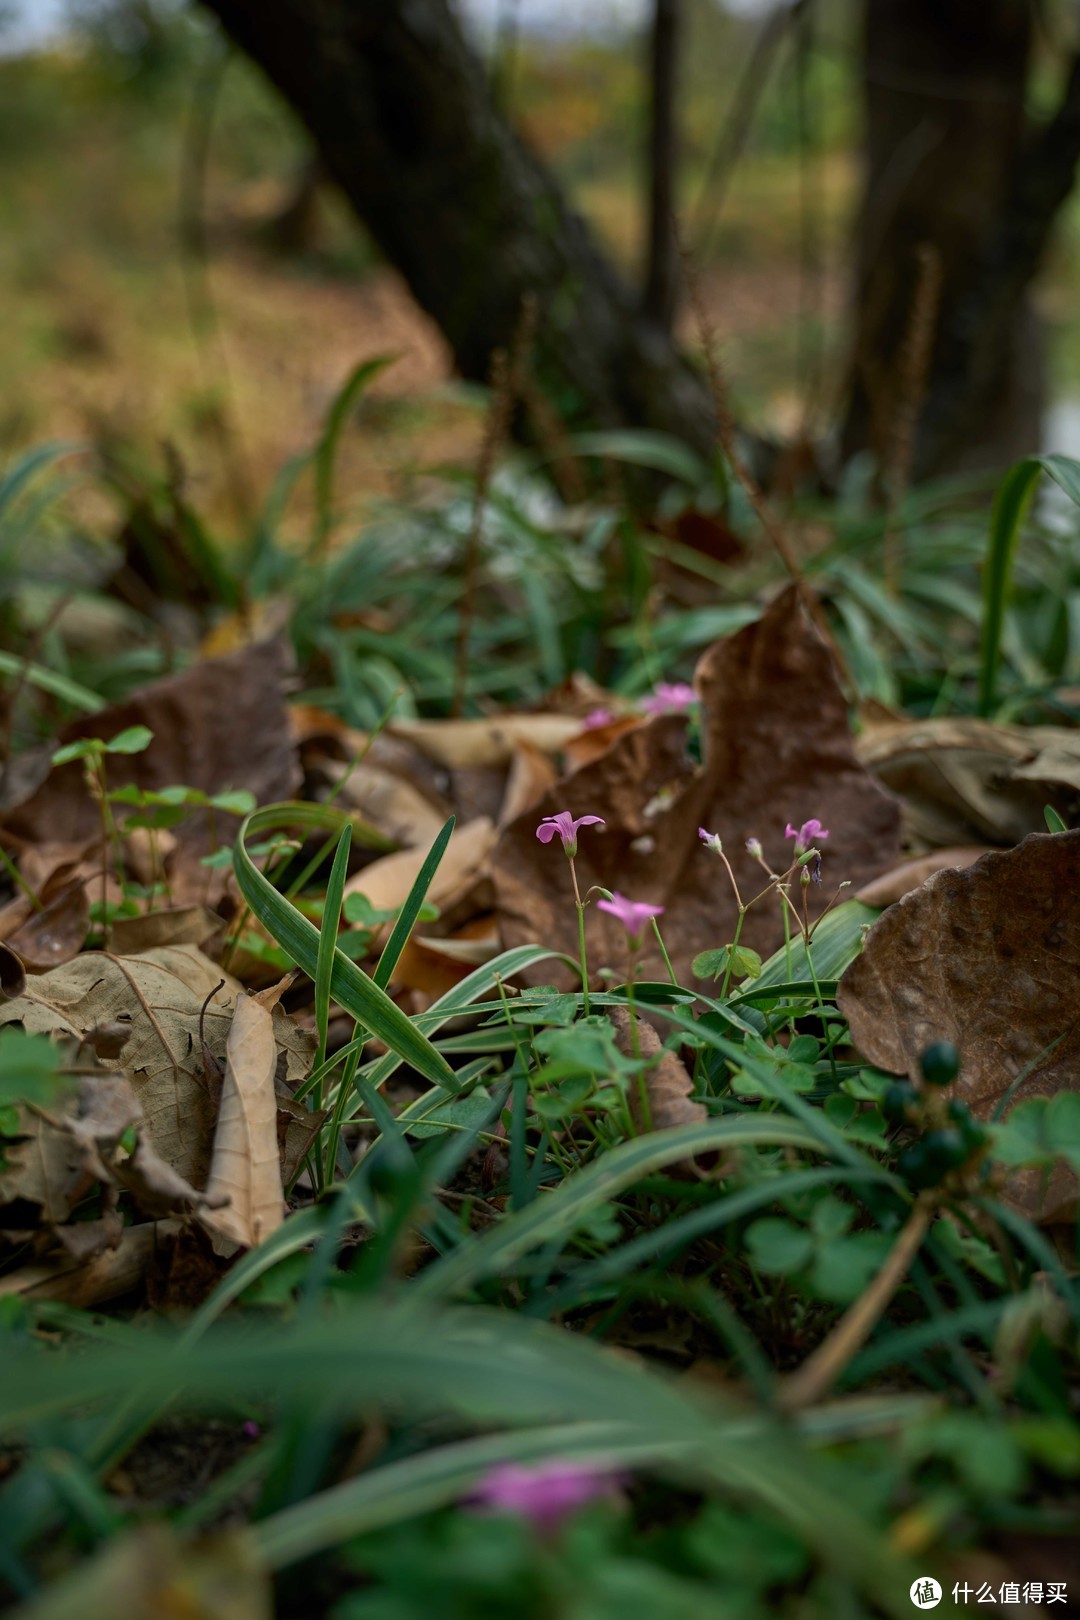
(299, 939)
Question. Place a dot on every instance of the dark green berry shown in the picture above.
(946, 1149)
(972, 1130)
(898, 1099)
(940, 1064)
(915, 1165)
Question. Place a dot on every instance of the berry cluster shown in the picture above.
(950, 1139)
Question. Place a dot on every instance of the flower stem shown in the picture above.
(581, 939)
(732, 948)
(663, 952)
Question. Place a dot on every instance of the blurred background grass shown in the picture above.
(116, 330)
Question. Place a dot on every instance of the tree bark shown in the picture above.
(402, 116)
(662, 271)
(944, 84)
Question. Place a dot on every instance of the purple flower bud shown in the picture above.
(711, 841)
(754, 849)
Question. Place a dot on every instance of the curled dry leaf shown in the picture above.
(56, 933)
(459, 743)
(389, 803)
(777, 748)
(968, 781)
(245, 1172)
(160, 997)
(387, 882)
(668, 1083)
(988, 958)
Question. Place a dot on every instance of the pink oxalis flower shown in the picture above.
(597, 717)
(545, 1493)
(633, 914)
(565, 825)
(669, 697)
(810, 833)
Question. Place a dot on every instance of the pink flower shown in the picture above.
(669, 698)
(565, 825)
(545, 1493)
(633, 914)
(810, 833)
(597, 717)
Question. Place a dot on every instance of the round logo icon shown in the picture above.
(925, 1593)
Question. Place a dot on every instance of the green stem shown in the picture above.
(643, 1090)
(663, 952)
(732, 948)
(581, 939)
(17, 878)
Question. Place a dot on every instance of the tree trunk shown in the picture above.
(404, 121)
(944, 84)
(662, 270)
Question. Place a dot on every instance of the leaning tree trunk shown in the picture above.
(944, 84)
(402, 115)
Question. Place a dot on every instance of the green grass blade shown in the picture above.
(1010, 505)
(328, 932)
(326, 450)
(555, 1215)
(80, 697)
(409, 912)
(299, 939)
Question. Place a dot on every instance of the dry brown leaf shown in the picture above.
(594, 741)
(668, 1083)
(12, 974)
(531, 774)
(246, 1167)
(458, 743)
(173, 925)
(388, 881)
(967, 781)
(389, 803)
(899, 880)
(107, 1108)
(160, 995)
(777, 748)
(989, 959)
(221, 724)
(55, 934)
(103, 1276)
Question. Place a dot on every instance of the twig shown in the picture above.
(823, 1367)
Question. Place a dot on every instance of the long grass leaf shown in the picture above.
(497, 1250)
(299, 939)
